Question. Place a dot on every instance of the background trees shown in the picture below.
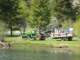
(12, 12)
(8, 12)
(64, 10)
(39, 14)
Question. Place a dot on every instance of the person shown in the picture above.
(42, 36)
(70, 33)
(33, 35)
(52, 35)
(70, 30)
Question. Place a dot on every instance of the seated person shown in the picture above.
(42, 36)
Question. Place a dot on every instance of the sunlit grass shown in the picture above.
(19, 42)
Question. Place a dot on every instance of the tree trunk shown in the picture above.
(24, 29)
(11, 30)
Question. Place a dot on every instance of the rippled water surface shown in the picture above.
(26, 54)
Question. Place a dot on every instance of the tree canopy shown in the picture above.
(40, 13)
(64, 9)
(37, 13)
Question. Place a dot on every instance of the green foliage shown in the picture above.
(8, 12)
(8, 9)
(64, 9)
(2, 28)
(37, 13)
(76, 27)
(13, 13)
(23, 9)
(40, 13)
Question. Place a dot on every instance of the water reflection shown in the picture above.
(57, 54)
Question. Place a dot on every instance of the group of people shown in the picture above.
(60, 32)
(42, 35)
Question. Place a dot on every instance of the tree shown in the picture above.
(28, 3)
(24, 13)
(8, 12)
(11, 12)
(39, 14)
(64, 9)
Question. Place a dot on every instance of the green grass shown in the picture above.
(22, 43)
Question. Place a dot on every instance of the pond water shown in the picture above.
(26, 54)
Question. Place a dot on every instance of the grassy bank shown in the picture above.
(23, 43)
